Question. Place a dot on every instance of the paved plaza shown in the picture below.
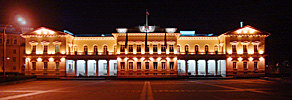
(255, 89)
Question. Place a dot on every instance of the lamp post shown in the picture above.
(19, 20)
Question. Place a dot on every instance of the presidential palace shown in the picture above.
(166, 52)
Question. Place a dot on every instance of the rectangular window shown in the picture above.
(122, 65)
(0, 39)
(244, 49)
(33, 65)
(255, 48)
(33, 49)
(7, 41)
(138, 65)
(14, 59)
(138, 48)
(234, 65)
(178, 48)
(255, 65)
(244, 65)
(14, 67)
(130, 65)
(14, 51)
(115, 66)
(170, 48)
(45, 49)
(163, 48)
(163, 65)
(14, 41)
(154, 65)
(233, 48)
(122, 48)
(171, 65)
(154, 48)
(57, 48)
(146, 65)
(147, 48)
(104, 66)
(45, 65)
(57, 65)
(130, 48)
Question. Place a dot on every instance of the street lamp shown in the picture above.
(21, 21)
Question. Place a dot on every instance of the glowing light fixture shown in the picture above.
(261, 58)
(39, 59)
(229, 58)
(250, 58)
(51, 59)
(239, 59)
(63, 59)
(142, 58)
(170, 30)
(121, 30)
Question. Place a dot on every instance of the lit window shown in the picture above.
(33, 49)
(163, 48)
(45, 49)
(57, 48)
(104, 66)
(115, 66)
(105, 50)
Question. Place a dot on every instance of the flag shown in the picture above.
(147, 13)
(126, 42)
(165, 40)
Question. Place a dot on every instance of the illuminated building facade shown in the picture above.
(235, 53)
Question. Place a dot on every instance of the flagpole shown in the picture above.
(146, 30)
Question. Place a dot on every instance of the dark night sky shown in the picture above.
(206, 16)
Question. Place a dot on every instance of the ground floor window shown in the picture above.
(163, 65)
(171, 65)
(45, 65)
(34, 65)
(138, 65)
(154, 65)
(255, 65)
(130, 65)
(58, 65)
(122, 65)
(147, 65)
(234, 65)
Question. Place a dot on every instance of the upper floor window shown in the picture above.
(233, 48)
(147, 48)
(45, 49)
(178, 48)
(14, 41)
(122, 48)
(196, 49)
(154, 65)
(7, 41)
(171, 65)
(95, 50)
(163, 65)
(186, 49)
(57, 48)
(138, 48)
(146, 65)
(130, 48)
(14, 51)
(33, 49)
(122, 65)
(234, 65)
(244, 65)
(163, 48)
(255, 48)
(216, 49)
(244, 49)
(138, 65)
(0, 39)
(154, 48)
(85, 49)
(206, 49)
(130, 65)
(171, 48)
(105, 49)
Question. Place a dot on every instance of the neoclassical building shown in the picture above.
(169, 53)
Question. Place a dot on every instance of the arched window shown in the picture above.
(85, 50)
(186, 49)
(196, 49)
(206, 49)
(95, 50)
(105, 50)
(216, 49)
(75, 50)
